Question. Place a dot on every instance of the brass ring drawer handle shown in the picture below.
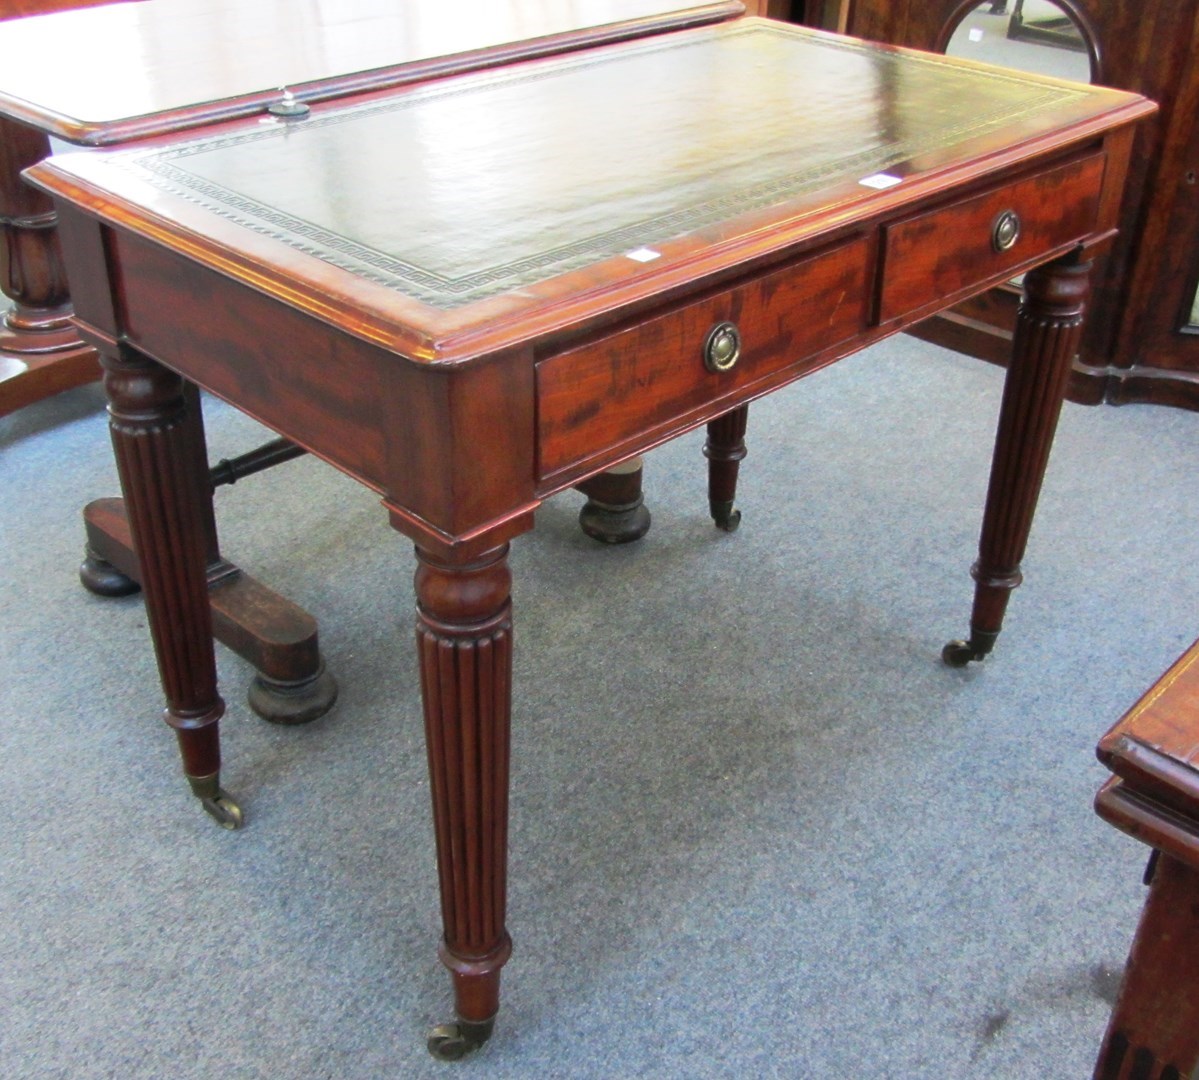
(1005, 231)
(722, 347)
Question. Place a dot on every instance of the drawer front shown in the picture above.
(637, 381)
(935, 255)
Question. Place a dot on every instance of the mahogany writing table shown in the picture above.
(173, 65)
(471, 294)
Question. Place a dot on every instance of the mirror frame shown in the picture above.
(1070, 7)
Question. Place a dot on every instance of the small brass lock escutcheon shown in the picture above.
(722, 347)
(1005, 231)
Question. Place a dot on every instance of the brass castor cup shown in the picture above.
(959, 653)
(452, 1042)
(217, 802)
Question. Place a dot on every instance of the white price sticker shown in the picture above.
(881, 181)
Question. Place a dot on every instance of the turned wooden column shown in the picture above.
(724, 449)
(291, 684)
(34, 278)
(464, 640)
(1048, 328)
(40, 351)
(164, 485)
(1153, 1033)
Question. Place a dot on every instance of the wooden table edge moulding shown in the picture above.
(531, 307)
(41, 351)
(1153, 751)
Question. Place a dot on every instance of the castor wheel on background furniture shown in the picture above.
(452, 1042)
(293, 702)
(100, 577)
(217, 802)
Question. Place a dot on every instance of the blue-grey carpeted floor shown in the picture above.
(758, 830)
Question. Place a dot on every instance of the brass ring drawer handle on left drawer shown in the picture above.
(722, 347)
(1005, 231)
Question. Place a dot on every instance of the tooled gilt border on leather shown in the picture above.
(160, 168)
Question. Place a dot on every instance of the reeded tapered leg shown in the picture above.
(724, 449)
(464, 639)
(1154, 1030)
(1048, 328)
(291, 684)
(164, 488)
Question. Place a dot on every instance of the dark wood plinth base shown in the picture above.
(280, 639)
(27, 377)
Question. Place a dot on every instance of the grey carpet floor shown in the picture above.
(758, 830)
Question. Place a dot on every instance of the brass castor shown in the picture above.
(223, 810)
(217, 802)
(960, 653)
(725, 516)
(452, 1042)
(104, 579)
(293, 702)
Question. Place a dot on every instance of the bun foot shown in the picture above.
(611, 524)
(104, 579)
(297, 702)
(452, 1042)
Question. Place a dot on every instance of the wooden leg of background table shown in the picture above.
(1048, 328)
(164, 494)
(1154, 1030)
(40, 351)
(464, 639)
(724, 449)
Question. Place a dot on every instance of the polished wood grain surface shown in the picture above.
(1155, 745)
(488, 200)
(219, 57)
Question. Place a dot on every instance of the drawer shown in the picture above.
(639, 381)
(934, 256)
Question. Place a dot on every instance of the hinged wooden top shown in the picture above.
(109, 74)
(1155, 745)
(471, 214)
